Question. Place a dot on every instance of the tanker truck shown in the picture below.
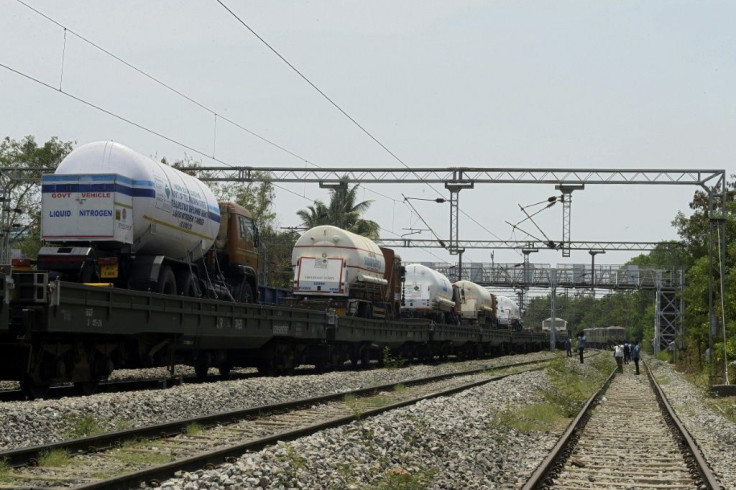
(477, 304)
(428, 294)
(509, 314)
(111, 215)
(334, 268)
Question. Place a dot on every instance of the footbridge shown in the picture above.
(667, 283)
(575, 276)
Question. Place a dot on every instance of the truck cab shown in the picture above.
(237, 239)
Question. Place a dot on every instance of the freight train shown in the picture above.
(191, 302)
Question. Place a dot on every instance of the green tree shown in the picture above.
(343, 211)
(257, 196)
(694, 230)
(315, 215)
(24, 162)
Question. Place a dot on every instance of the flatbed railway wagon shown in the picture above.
(56, 331)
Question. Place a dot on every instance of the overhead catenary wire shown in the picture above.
(165, 85)
(338, 107)
(169, 87)
(215, 113)
(515, 227)
(131, 122)
(406, 200)
(530, 217)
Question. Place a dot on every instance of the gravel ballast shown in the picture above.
(32, 423)
(448, 442)
(714, 433)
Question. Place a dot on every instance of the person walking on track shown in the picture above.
(618, 354)
(581, 345)
(635, 354)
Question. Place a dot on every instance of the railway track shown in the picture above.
(128, 458)
(626, 437)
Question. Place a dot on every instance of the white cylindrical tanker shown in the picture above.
(110, 214)
(476, 303)
(426, 290)
(106, 192)
(331, 262)
(509, 315)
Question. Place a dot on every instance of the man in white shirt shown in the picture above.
(618, 354)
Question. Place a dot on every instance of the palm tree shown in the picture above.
(314, 215)
(343, 212)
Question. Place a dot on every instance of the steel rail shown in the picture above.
(702, 465)
(30, 455)
(153, 475)
(559, 453)
(565, 441)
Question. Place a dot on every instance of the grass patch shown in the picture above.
(358, 405)
(83, 426)
(55, 458)
(571, 387)
(376, 401)
(400, 388)
(400, 479)
(390, 361)
(5, 471)
(120, 424)
(725, 407)
(193, 429)
(294, 464)
(351, 401)
(664, 380)
(664, 356)
(539, 417)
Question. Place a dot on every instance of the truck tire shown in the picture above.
(166, 281)
(188, 285)
(244, 292)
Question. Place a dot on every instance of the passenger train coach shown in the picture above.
(603, 337)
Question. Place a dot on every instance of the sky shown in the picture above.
(496, 84)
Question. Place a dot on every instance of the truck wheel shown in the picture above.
(166, 281)
(187, 282)
(244, 293)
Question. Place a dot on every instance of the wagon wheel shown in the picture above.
(201, 367)
(86, 388)
(33, 389)
(225, 369)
